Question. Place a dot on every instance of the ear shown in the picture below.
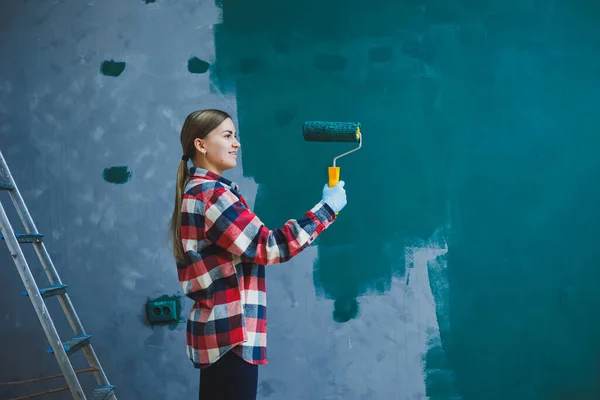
(199, 145)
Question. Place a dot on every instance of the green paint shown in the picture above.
(112, 68)
(363, 250)
(345, 309)
(479, 116)
(379, 54)
(281, 47)
(149, 1)
(330, 62)
(197, 66)
(249, 65)
(117, 174)
(284, 117)
(420, 50)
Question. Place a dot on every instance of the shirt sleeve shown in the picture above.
(232, 226)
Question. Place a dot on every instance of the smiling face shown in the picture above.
(217, 152)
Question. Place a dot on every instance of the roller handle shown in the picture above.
(334, 177)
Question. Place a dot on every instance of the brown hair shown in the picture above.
(197, 125)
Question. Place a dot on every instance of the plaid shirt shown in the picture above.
(226, 248)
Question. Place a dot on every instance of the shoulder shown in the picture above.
(208, 191)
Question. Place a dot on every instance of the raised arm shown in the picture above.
(232, 226)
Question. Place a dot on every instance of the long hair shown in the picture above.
(197, 125)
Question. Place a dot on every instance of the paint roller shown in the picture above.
(323, 131)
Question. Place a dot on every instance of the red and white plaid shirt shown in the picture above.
(227, 247)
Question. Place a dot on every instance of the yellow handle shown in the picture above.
(334, 177)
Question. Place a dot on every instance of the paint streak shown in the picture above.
(427, 293)
(197, 66)
(345, 309)
(149, 1)
(112, 68)
(116, 174)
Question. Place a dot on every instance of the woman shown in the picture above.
(221, 249)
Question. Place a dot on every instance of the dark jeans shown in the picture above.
(230, 378)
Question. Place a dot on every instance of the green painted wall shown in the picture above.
(480, 122)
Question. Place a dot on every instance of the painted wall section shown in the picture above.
(478, 121)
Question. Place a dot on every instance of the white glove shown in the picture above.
(335, 197)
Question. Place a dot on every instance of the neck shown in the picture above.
(204, 165)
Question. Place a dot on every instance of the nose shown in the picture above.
(236, 144)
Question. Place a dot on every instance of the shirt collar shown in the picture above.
(206, 174)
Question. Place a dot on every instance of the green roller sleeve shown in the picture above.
(321, 131)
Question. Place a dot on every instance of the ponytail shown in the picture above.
(182, 177)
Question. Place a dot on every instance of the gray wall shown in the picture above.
(63, 123)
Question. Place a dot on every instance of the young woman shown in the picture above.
(221, 249)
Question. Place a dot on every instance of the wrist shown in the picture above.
(329, 202)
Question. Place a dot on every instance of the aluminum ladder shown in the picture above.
(80, 340)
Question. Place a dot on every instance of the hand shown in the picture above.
(335, 197)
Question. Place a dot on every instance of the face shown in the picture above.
(217, 152)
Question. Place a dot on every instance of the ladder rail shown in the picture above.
(27, 221)
(52, 274)
(40, 307)
(72, 317)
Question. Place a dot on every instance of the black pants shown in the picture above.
(230, 378)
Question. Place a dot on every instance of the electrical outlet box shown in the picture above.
(160, 311)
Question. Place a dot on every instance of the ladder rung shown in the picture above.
(27, 237)
(74, 344)
(6, 186)
(104, 392)
(53, 290)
